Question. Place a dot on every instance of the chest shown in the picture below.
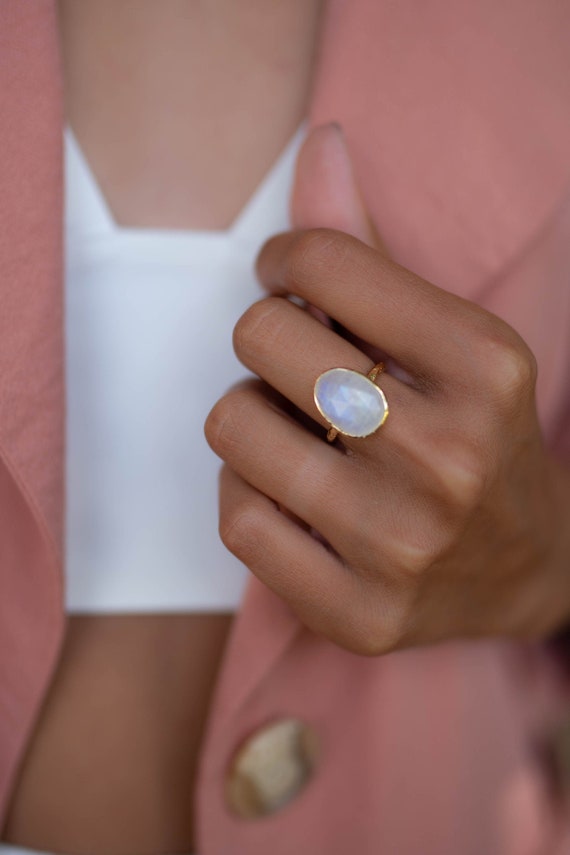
(181, 108)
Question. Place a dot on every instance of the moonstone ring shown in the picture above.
(351, 402)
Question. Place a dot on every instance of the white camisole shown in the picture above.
(149, 319)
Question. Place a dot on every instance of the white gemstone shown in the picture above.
(352, 403)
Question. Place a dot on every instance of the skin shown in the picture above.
(163, 98)
(452, 520)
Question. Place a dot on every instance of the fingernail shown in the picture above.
(338, 128)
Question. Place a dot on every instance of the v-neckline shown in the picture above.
(85, 198)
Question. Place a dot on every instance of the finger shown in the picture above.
(325, 191)
(289, 349)
(297, 567)
(294, 468)
(344, 500)
(433, 334)
(326, 194)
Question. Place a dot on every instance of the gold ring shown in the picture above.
(351, 402)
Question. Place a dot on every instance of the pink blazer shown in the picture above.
(458, 117)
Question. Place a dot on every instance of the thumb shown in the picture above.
(326, 195)
(325, 192)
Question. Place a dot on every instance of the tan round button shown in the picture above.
(270, 768)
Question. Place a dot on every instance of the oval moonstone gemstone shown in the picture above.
(352, 403)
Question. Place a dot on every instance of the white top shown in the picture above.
(149, 319)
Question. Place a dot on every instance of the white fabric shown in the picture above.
(149, 319)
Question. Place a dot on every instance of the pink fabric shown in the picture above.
(31, 370)
(458, 120)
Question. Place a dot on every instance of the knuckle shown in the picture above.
(313, 253)
(465, 475)
(239, 531)
(380, 626)
(258, 327)
(458, 465)
(513, 371)
(368, 641)
(426, 543)
(414, 559)
(417, 562)
(225, 421)
(409, 544)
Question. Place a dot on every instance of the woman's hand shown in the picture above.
(452, 519)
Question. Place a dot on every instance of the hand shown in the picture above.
(452, 519)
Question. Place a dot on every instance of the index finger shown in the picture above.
(429, 331)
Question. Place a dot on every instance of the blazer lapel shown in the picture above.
(31, 368)
(31, 327)
(458, 118)
(263, 630)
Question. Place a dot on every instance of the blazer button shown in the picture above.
(270, 768)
